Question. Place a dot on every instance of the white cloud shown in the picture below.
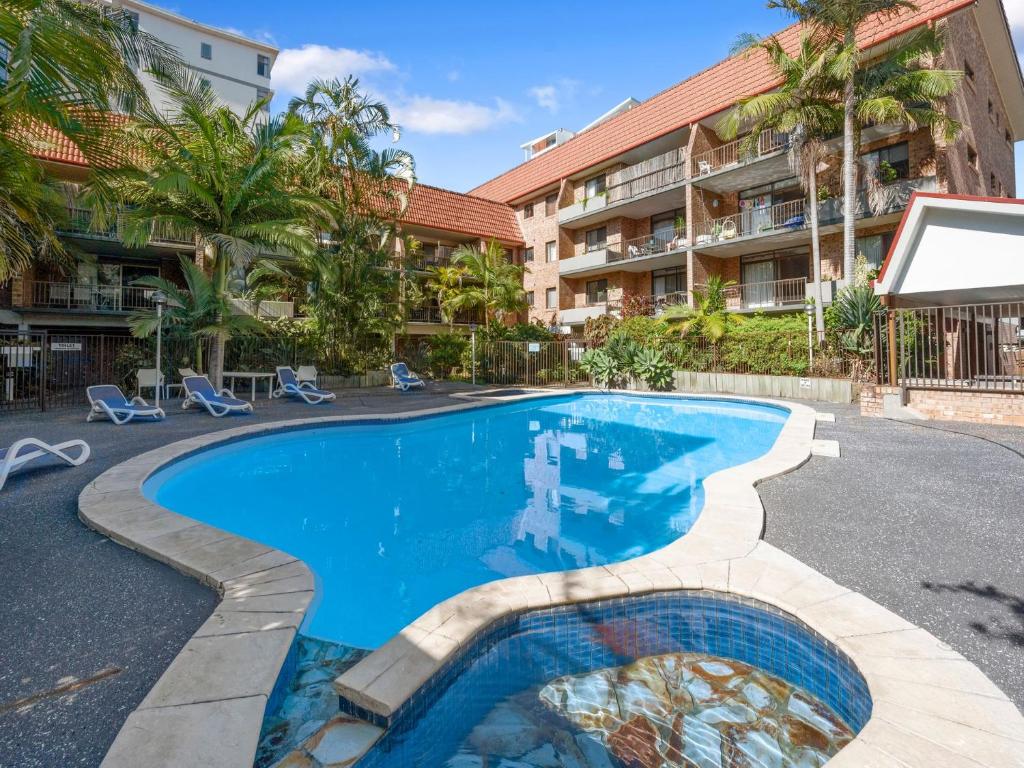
(425, 114)
(295, 67)
(552, 96)
(1015, 13)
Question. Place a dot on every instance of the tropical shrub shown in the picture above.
(600, 366)
(854, 312)
(653, 368)
(623, 351)
(645, 331)
(446, 354)
(596, 330)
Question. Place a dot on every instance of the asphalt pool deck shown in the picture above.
(927, 522)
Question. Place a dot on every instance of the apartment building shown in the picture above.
(99, 295)
(236, 67)
(648, 204)
(440, 221)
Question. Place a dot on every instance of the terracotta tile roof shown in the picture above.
(696, 98)
(49, 144)
(457, 212)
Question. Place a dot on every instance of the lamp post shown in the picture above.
(809, 310)
(472, 341)
(160, 299)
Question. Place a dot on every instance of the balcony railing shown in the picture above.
(86, 297)
(734, 153)
(658, 172)
(433, 315)
(441, 257)
(652, 306)
(268, 309)
(651, 245)
(752, 221)
(80, 222)
(772, 293)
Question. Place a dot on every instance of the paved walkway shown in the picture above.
(76, 606)
(927, 523)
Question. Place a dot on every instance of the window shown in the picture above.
(551, 298)
(132, 19)
(262, 65)
(874, 248)
(972, 157)
(551, 251)
(666, 281)
(665, 226)
(528, 254)
(206, 50)
(594, 186)
(888, 164)
(206, 83)
(263, 93)
(968, 71)
(551, 205)
(597, 291)
(597, 239)
(528, 211)
(529, 298)
(760, 272)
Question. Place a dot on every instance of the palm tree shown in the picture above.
(708, 317)
(806, 107)
(837, 21)
(225, 177)
(494, 285)
(196, 311)
(444, 284)
(64, 67)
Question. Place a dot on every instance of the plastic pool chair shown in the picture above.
(288, 384)
(404, 379)
(107, 400)
(307, 374)
(30, 449)
(199, 391)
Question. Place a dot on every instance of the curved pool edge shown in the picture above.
(931, 706)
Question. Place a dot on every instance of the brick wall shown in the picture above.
(538, 230)
(975, 407)
(983, 130)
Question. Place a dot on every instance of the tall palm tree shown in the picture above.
(494, 284)
(225, 177)
(65, 66)
(806, 107)
(838, 21)
(444, 284)
(196, 311)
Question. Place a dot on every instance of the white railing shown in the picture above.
(88, 297)
(267, 309)
(734, 153)
(752, 221)
(650, 175)
(771, 293)
(652, 245)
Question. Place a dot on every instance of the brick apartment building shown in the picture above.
(650, 201)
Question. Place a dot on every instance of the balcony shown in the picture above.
(753, 222)
(592, 261)
(638, 254)
(652, 306)
(86, 297)
(774, 294)
(731, 167)
(440, 257)
(80, 224)
(432, 316)
(264, 309)
(637, 191)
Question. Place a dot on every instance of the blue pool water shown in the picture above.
(396, 517)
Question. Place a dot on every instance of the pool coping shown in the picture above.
(930, 705)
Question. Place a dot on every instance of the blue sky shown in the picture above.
(471, 81)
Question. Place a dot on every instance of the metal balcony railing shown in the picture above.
(653, 305)
(771, 293)
(650, 175)
(714, 160)
(751, 222)
(87, 297)
(81, 220)
(651, 245)
(433, 314)
(441, 257)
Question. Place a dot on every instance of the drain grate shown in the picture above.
(61, 690)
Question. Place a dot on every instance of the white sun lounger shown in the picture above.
(107, 400)
(199, 391)
(288, 384)
(30, 449)
(404, 379)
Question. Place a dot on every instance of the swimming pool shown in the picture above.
(394, 517)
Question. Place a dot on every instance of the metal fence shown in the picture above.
(964, 347)
(41, 370)
(532, 363)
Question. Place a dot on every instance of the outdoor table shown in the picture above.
(252, 376)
